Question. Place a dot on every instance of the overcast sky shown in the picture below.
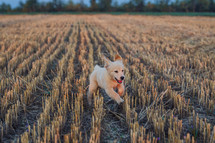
(15, 3)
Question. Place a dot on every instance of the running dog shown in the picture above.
(109, 77)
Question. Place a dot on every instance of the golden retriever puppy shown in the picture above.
(109, 78)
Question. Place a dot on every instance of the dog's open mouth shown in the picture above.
(119, 81)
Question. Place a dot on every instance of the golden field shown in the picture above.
(45, 62)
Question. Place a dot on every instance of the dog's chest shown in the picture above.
(115, 85)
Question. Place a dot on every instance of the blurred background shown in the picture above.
(8, 6)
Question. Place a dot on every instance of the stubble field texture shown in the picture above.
(46, 60)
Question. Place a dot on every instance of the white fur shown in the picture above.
(106, 78)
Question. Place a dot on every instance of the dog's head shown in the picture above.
(115, 69)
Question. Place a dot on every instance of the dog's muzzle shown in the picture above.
(120, 81)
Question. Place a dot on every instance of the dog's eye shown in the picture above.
(116, 71)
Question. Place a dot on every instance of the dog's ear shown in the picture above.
(107, 61)
(118, 57)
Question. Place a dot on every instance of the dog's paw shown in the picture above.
(120, 100)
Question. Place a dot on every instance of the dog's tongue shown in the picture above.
(120, 81)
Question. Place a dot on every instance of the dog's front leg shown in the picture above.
(121, 89)
(114, 95)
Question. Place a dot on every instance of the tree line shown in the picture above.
(110, 6)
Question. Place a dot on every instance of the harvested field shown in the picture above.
(46, 60)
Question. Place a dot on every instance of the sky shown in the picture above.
(15, 3)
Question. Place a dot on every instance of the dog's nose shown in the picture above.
(122, 77)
